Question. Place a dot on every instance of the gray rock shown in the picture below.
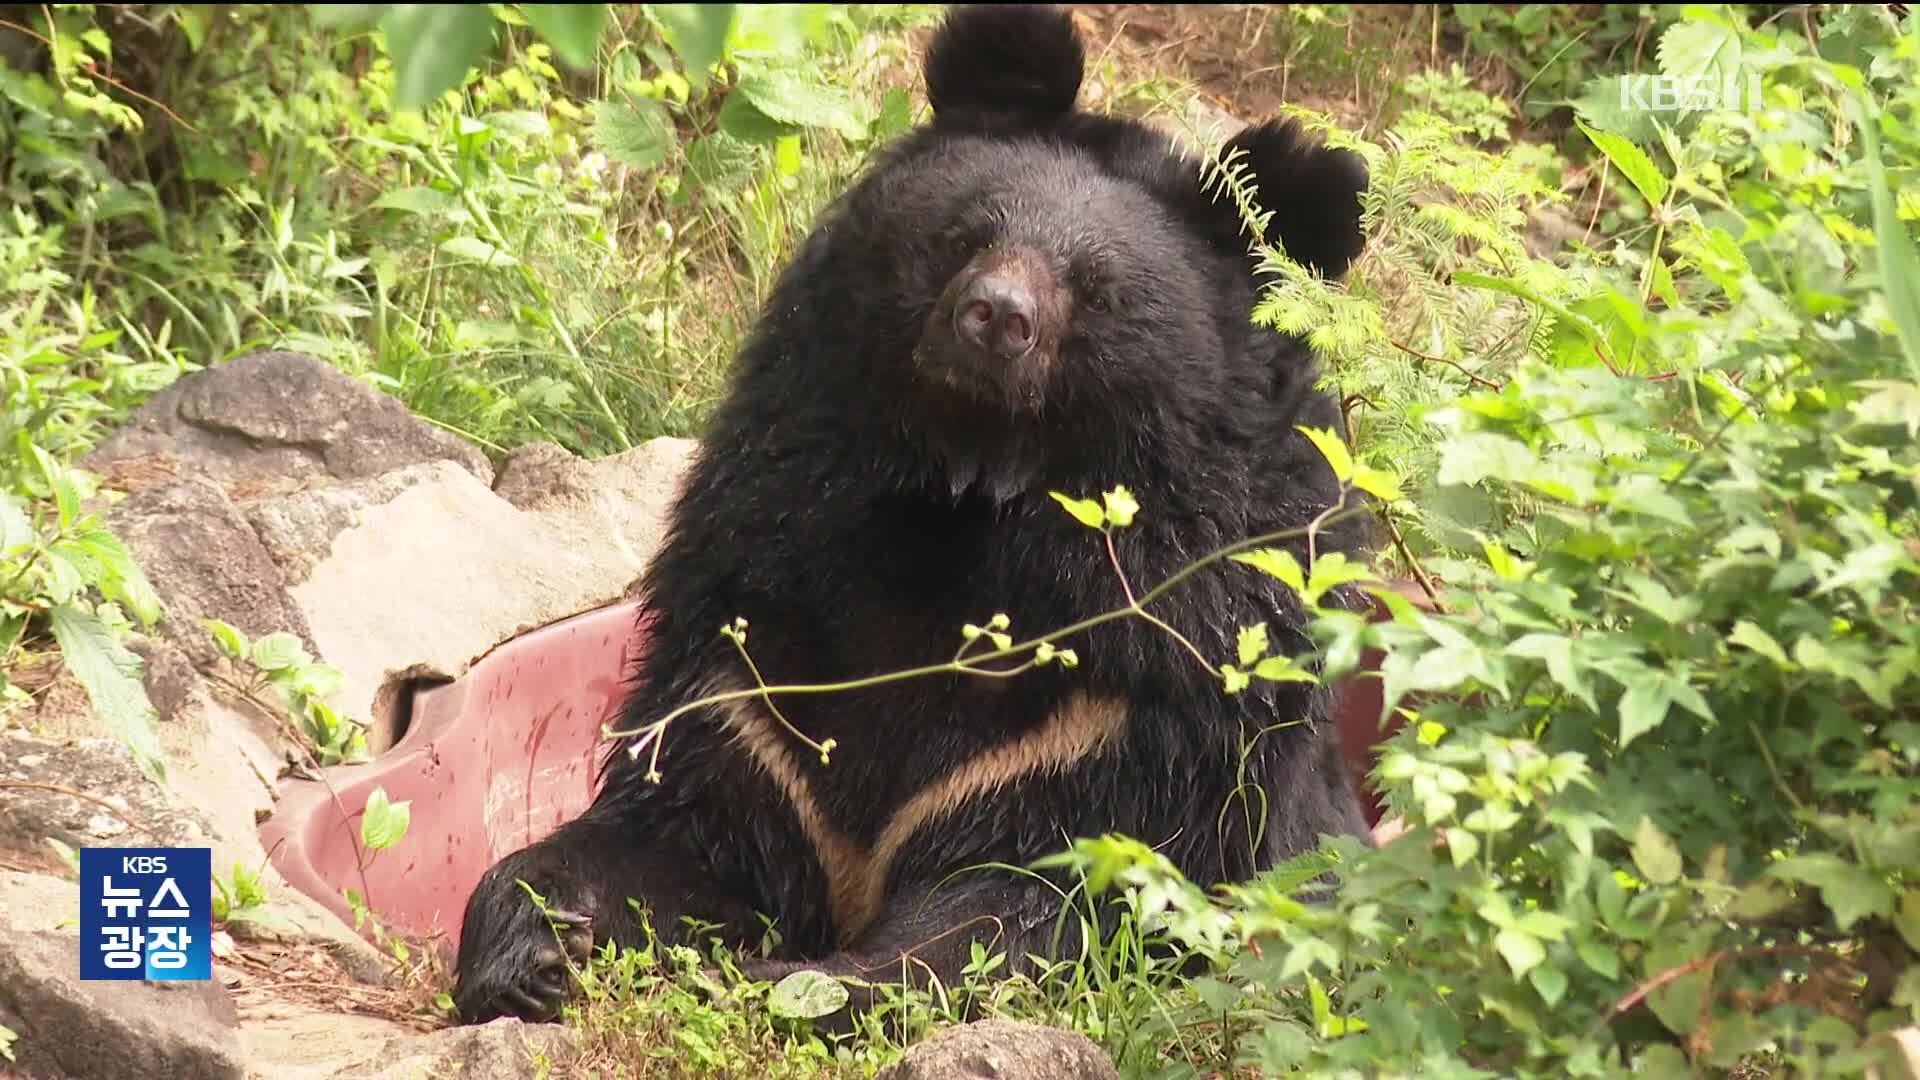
(504, 1049)
(205, 561)
(270, 420)
(539, 473)
(1003, 1050)
(111, 1030)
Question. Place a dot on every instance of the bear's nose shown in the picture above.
(996, 314)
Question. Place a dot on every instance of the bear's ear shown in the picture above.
(1017, 57)
(1312, 190)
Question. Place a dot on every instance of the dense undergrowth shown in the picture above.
(1661, 769)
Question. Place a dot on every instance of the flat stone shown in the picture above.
(270, 421)
(1003, 1050)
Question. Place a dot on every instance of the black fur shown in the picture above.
(870, 485)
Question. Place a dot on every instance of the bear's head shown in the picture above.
(1034, 291)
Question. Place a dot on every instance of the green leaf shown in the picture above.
(1550, 982)
(1333, 448)
(111, 674)
(1654, 854)
(1850, 890)
(279, 651)
(698, 32)
(786, 97)
(1599, 958)
(1253, 643)
(1899, 263)
(572, 29)
(807, 995)
(1085, 511)
(1556, 650)
(16, 528)
(1644, 706)
(348, 18)
(1699, 49)
(1908, 920)
(422, 201)
(1747, 634)
(1378, 483)
(1283, 669)
(231, 641)
(1333, 570)
(1632, 163)
(637, 133)
(433, 47)
(1121, 507)
(1235, 679)
(1275, 563)
(472, 247)
(1521, 951)
(1602, 105)
(1892, 403)
(383, 823)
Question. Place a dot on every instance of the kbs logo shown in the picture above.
(146, 913)
(1694, 93)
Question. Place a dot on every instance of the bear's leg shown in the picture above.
(515, 961)
(926, 936)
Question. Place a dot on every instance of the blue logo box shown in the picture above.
(146, 913)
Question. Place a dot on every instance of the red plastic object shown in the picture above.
(491, 762)
(500, 757)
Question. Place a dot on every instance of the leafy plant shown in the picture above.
(65, 577)
(279, 661)
(237, 897)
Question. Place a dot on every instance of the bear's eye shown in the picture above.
(1097, 302)
(960, 244)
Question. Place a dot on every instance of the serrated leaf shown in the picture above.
(111, 674)
(1333, 570)
(1632, 162)
(1275, 563)
(279, 651)
(1699, 49)
(1657, 859)
(472, 247)
(1253, 643)
(1601, 105)
(1333, 448)
(698, 32)
(637, 133)
(1521, 951)
(433, 48)
(1085, 511)
(572, 29)
(786, 97)
(384, 823)
(1234, 679)
(807, 995)
(1462, 846)
(1120, 506)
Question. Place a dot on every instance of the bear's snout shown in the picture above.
(995, 313)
